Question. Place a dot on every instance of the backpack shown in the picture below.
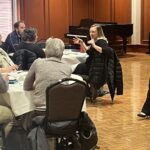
(38, 139)
(17, 139)
(87, 133)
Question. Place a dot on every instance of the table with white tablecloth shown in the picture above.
(19, 100)
(16, 98)
(73, 58)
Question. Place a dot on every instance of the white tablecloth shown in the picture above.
(74, 58)
(17, 99)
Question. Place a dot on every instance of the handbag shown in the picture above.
(87, 133)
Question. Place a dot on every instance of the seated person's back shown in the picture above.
(45, 72)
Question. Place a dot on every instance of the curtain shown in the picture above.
(5, 18)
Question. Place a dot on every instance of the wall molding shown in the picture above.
(136, 21)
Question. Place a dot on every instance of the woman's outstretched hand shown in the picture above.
(77, 40)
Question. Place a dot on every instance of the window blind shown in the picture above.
(5, 17)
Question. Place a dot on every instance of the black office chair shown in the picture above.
(64, 101)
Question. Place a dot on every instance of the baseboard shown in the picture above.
(142, 48)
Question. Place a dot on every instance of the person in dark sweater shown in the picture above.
(14, 38)
(29, 38)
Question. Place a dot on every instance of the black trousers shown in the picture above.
(146, 106)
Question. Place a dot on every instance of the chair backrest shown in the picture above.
(64, 100)
(24, 58)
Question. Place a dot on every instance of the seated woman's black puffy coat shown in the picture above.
(99, 67)
(106, 68)
(32, 47)
(24, 58)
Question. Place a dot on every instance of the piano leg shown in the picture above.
(124, 44)
(148, 44)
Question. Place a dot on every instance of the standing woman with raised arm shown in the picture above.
(96, 64)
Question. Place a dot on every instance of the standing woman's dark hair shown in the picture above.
(29, 34)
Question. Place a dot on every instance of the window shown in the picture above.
(5, 17)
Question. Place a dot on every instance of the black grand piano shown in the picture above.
(116, 34)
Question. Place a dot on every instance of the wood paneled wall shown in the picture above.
(122, 11)
(112, 11)
(80, 9)
(145, 20)
(103, 10)
(53, 17)
(33, 13)
(58, 17)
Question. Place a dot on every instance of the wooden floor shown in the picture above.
(117, 124)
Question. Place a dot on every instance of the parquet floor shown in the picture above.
(117, 124)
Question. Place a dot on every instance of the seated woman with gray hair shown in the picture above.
(47, 71)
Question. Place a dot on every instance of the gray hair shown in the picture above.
(54, 47)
